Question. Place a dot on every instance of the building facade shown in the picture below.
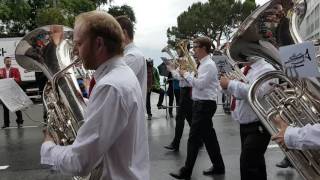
(310, 26)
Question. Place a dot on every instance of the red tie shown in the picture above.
(92, 83)
(233, 101)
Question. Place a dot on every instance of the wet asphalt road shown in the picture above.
(19, 149)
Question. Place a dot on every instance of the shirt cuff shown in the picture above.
(46, 156)
(290, 137)
(188, 76)
(231, 86)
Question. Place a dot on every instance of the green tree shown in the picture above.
(247, 8)
(15, 16)
(64, 12)
(215, 19)
(20, 16)
(50, 16)
(123, 10)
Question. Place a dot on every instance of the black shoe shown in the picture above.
(284, 163)
(182, 174)
(172, 147)
(3, 127)
(214, 171)
(19, 125)
(149, 117)
(162, 107)
(19, 121)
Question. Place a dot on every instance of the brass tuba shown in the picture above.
(184, 60)
(297, 101)
(189, 64)
(168, 49)
(50, 49)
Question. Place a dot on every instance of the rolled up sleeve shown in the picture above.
(238, 89)
(303, 138)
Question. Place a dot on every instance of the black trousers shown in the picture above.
(173, 93)
(19, 119)
(160, 100)
(254, 143)
(184, 112)
(202, 131)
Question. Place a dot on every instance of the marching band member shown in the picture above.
(114, 131)
(185, 104)
(301, 138)
(204, 93)
(254, 137)
(132, 54)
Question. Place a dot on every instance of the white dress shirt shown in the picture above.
(182, 82)
(303, 138)
(206, 85)
(114, 131)
(243, 113)
(136, 61)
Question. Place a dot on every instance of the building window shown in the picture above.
(316, 23)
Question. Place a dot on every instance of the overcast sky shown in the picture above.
(153, 19)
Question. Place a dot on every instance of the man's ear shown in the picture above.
(99, 42)
(125, 33)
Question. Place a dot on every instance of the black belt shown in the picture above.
(256, 123)
(204, 101)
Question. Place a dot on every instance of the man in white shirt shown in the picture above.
(301, 138)
(254, 137)
(204, 93)
(114, 131)
(132, 55)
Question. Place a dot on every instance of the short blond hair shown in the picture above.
(100, 23)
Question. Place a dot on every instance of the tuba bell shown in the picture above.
(189, 64)
(50, 49)
(184, 60)
(272, 25)
(168, 49)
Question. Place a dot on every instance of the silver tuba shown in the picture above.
(50, 49)
(297, 101)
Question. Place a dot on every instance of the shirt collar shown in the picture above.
(258, 63)
(204, 59)
(98, 74)
(128, 46)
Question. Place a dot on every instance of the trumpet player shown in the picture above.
(301, 138)
(204, 92)
(114, 131)
(254, 137)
